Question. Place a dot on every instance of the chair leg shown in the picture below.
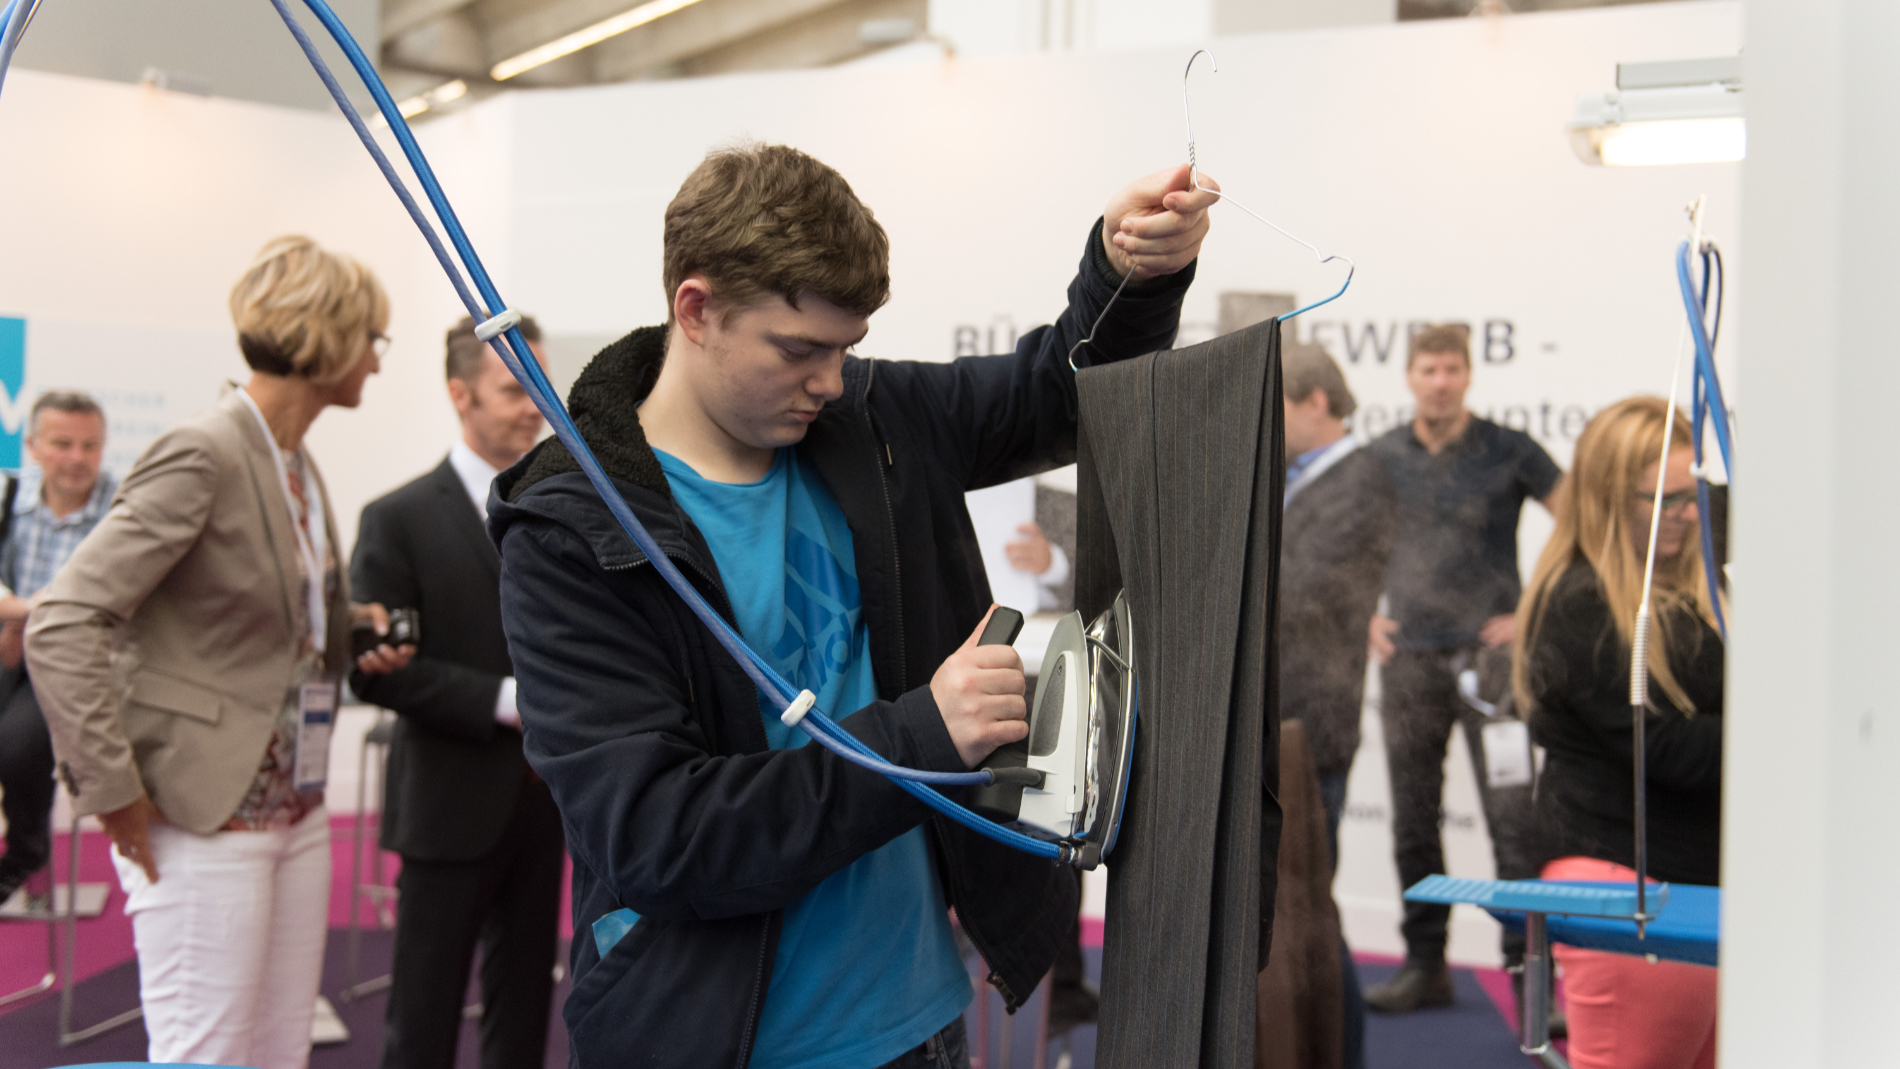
(1042, 1022)
(380, 899)
(980, 1055)
(67, 1034)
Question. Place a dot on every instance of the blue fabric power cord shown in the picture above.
(516, 355)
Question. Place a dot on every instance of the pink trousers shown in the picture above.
(1626, 1012)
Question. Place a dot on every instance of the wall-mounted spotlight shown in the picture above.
(1679, 111)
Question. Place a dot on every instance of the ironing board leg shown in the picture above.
(1536, 1008)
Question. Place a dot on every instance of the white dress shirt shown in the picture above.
(477, 475)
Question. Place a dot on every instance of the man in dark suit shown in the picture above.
(479, 836)
(1340, 522)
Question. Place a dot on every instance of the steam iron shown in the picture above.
(1081, 739)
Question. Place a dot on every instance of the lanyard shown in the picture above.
(310, 548)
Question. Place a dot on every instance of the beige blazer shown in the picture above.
(162, 651)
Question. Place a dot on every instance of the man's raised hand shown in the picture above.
(1155, 225)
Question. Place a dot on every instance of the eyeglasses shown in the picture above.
(1672, 504)
(379, 342)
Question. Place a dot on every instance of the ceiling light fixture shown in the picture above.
(1680, 111)
(584, 38)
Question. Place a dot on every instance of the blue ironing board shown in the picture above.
(1538, 896)
(1688, 930)
(1595, 916)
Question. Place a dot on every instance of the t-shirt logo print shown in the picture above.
(821, 613)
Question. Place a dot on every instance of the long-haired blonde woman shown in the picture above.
(188, 659)
(1572, 675)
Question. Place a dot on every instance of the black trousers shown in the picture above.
(26, 772)
(1419, 707)
(509, 902)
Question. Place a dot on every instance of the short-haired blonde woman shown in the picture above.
(1573, 668)
(188, 659)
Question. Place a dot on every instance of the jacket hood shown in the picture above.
(549, 483)
(605, 404)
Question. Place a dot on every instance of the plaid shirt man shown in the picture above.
(40, 542)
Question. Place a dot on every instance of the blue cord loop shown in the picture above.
(1707, 404)
(483, 303)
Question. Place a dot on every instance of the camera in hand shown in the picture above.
(405, 629)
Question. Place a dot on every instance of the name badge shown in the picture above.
(316, 718)
(1507, 753)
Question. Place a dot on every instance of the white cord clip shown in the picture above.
(800, 706)
(490, 329)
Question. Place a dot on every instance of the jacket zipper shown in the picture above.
(1009, 997)
(897, 573)
(752, 1007)
(890, 518)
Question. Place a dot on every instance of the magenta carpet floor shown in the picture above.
(1474, 1034)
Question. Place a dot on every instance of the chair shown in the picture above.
(382, 895)
(66, 902)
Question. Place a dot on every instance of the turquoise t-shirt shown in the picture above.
(867, 967)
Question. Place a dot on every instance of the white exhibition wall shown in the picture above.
(129, 212)
(1431, 153)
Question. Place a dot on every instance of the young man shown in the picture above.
(478, 833)
(1335, 540)
(1452, 589)
(742, 898)
(52, 514)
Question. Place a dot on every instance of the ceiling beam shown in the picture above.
(402, 16)
(450, 45)
(827, 37)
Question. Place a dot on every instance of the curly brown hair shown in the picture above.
(761, 220)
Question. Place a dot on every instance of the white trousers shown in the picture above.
(230, 942)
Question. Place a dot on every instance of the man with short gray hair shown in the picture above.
(1335, 539)
(45, 515)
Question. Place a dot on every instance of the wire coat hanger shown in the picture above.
(1194, 182)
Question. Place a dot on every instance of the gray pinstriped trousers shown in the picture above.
(1181, 466)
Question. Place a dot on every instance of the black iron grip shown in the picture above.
(1003, 799)
(1005, 624)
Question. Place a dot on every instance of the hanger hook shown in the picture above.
(1194, 181)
